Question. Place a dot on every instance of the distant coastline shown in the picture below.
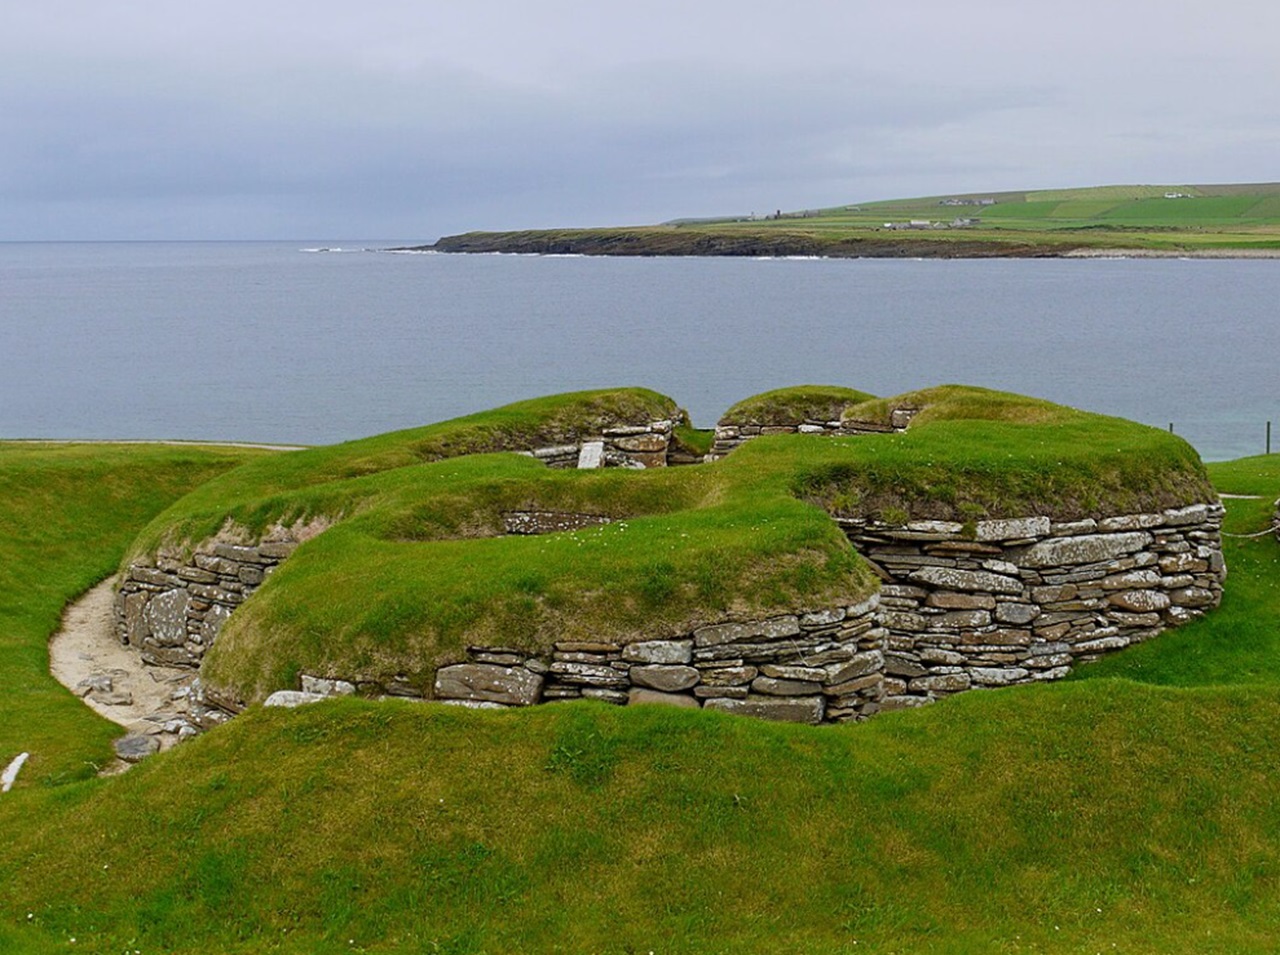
(1223, 221)
(667, 241)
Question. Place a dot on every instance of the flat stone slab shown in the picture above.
(1087, 549)
(592, 455)
(951, 578)
(514, 686)
(794, 709)
(668, 679)
(292, 698)
(135, 747)
(722, 633)
(659, 651)
(639, 695)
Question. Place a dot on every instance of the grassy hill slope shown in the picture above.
(1110, 813)
(1204, 218)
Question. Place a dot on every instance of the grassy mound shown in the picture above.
(418, 567)
(794, 406)
(1102, 814)
(308, 483)
(1037, 819)
(974, 453)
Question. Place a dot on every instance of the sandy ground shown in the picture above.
(88, 659)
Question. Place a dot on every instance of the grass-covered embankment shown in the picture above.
(67, 514)
(797, 404)
(1064, 818)
(417, 565)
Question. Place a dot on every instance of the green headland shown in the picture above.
(1235, 220)
(1134, 807)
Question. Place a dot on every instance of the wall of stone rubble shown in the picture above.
(1019, 601)
(817, 667)
(730, 435)
(627, 446)
(171, 607)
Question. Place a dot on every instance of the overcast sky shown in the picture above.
(155, 119)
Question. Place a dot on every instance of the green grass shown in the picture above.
(794, 405)
(1115, 812)
(69, 512)
(1239, 644)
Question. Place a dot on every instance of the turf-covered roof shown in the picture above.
(416, 565)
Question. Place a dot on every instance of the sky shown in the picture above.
(276, 119)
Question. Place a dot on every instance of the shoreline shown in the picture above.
(678, 243)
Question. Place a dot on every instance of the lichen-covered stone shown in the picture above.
(797, 709)
(514, 686)
(659, 651)
(668, 679)
(952, 578)
(1086, 549)
(770, 629)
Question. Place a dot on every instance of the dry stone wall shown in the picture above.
(625, 446)
(1020, 601)
(172, 607)
(993, 603)
(825, 666)
(730, 435)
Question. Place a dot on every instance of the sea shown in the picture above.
(315, 342)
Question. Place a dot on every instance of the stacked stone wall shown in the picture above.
(825, 666)
(732, 435)
(626, 446)
(1019, 601)
(172, 607)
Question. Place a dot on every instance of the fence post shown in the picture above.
(1268, 437)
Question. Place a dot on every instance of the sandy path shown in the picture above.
(87, 658)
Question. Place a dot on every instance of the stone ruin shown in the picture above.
(994, 603)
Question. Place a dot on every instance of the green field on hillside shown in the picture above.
(1135, 808)
(1162, 219)
(1137, 216)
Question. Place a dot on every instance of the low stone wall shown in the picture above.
(731, 435)
(626, 446)
(810, 668)
(172, 607)
(1018, 601)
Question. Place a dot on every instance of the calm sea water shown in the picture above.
(267, 342)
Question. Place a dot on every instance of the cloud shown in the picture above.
(407, 120)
